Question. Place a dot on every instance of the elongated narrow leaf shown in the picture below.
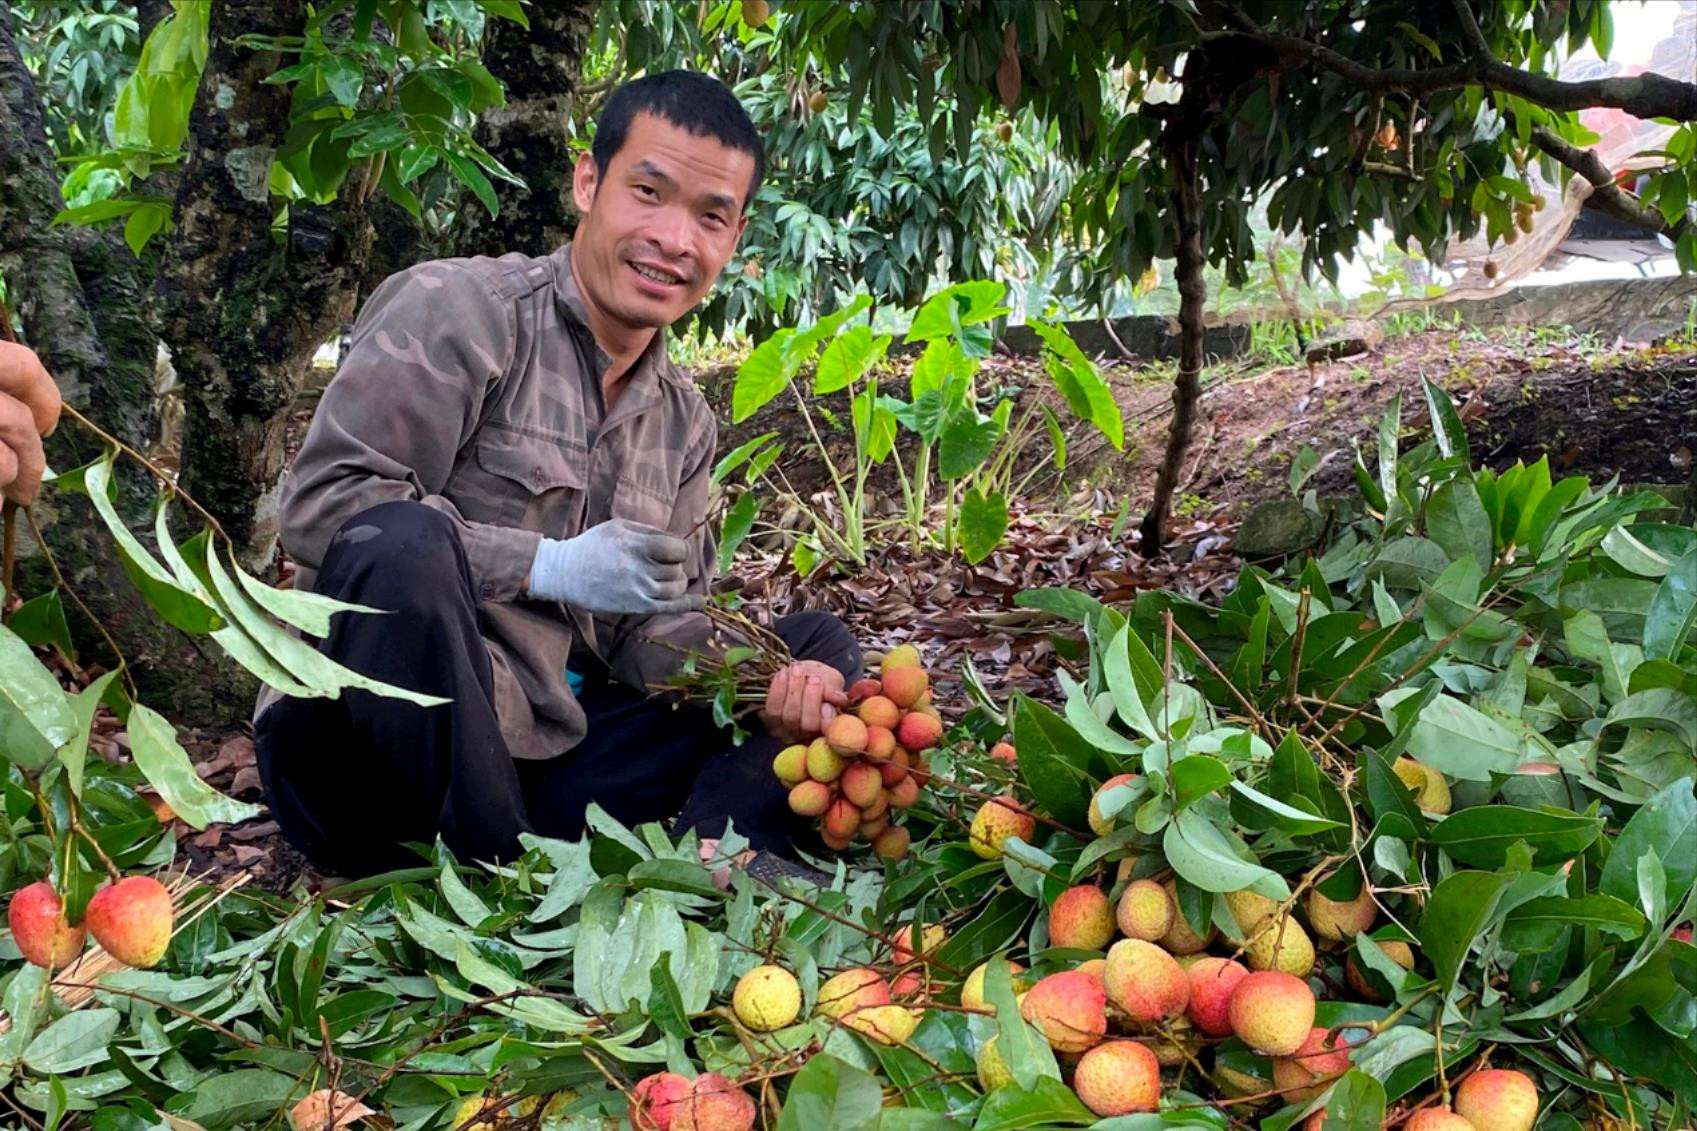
(1664, 827)
(308, 611)
(162, 760)
(1482, 836)
(179, 607)
(1054, 761)
(35, 716)
(1091, 728)
(1447, 428)
(74, 754)
(1201, 854)
(1673, 610)
(1460, 909)
(829, 1094)
(40, 621)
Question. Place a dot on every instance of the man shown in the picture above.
(509, 466)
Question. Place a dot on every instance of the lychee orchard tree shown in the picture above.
(1341, 116)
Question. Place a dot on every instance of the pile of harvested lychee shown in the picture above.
(870, 762)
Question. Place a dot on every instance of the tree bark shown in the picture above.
(531, 135)
(81, 308)
(242, 315)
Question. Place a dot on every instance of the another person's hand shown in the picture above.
(802, 701)
(619, 567)
(29, 410)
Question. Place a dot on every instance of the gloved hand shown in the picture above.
(618, 567)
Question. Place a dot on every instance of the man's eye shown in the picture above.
(646, 190)
(714, 218)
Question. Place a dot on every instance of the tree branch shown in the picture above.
(1648, 95)
(1607, 197)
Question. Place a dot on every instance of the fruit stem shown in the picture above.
(112, 872)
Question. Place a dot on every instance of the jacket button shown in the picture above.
(488, 589)
(536, 476)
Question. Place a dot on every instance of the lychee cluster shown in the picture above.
(131, 919)
(870, 762)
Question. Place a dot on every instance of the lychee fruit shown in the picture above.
(1146, 982)
(880, 743)
(846, 735)
(1005, 753)
(877, 809)
(864, 689)
(823, 763)
(860, 988)
(1498, 1099)
(862, 784)
(901, 656)
(810, 798)
(1180, 939)
(892, 772)
(1212, 981)
(1334, 921)
(1396, 950)
(1300, 1075)
(834, 842)
(972, 990)
(37, 919)
(904, 686)
(1281, 945)
(1099, 824)
(842, 819)
(714, 1103)
(1175, 1044)
(905, 793)
(1272, 1011)
(892, 843)
(886, 1024)
(1069, 1009)
(1081, 917)
(1145, 911)
(871, 827)
(1431, 790)
(993, 1071)
(1250, 909)
(1097, 968)
(1437, 1119)
(918, 731)
(931, 938)
(767, 998)
(1118, 1078)
(791, 764)
(878, 710)
(996, 821)
(756, 12)
(131, 920)
(656, 1100)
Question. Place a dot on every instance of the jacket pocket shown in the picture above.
(524, 481)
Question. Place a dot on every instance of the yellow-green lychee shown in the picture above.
(791, 764)
(972, 990)
(1281, 944)
(823, 763)
(931, 938)
(1431, 790)
(1145, 911)
(1272, 1012)
(767, 998)
(1335, 921)
(1498, 1099)
(1396, 950)
(886, 1024)
(901, 656)
(1146, 982)
(997, 820)
(1437, 1119)
(1250, 909)
(993, 1071)
(1118, 1078)
(1100, 824)
(860, 988)
(1081, 917)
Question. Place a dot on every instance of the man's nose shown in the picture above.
(672, 230)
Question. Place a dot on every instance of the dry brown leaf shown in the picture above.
(314, 1113)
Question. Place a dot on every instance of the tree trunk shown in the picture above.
(1181, 147)
(531, 134)
(242, 315)
(80, 304)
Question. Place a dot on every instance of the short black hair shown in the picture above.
(690, 100)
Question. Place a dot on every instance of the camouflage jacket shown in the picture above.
(472, 386)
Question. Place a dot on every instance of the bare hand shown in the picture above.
(29, 410)
(802, 701)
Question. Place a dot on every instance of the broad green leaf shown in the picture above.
(963, 304)
(846, 359)
(25, 1003)
(1624, 549)
(1090, 727)
(1355, 1103)
(1195, 777)
(464, 167)
(1660, 708)
(1069, 604)
(739, 520)
(1200, 853)
(1482, 836)
(35, 716)
(1123, 685)
(1407, 563)
(239, 1096)
(762, 376)
(1587, 639)
(1256, 810)
(1049, 1104)
(1447, 429)
(1537, 924)
(1460, 909)
(831, 1095)
(40, 623)
(1665, 827)
(1465, 743)
(77, 1040)
(1673, 610)
(1080, 383)
(179, 607)
(983, 522)
(1054, 761)
(967, 441)
(1456, 520)
(162, 760)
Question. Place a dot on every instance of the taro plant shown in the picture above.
(966, 443)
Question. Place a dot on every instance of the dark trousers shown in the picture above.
(351, 780)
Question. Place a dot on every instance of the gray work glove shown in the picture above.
(619, 567)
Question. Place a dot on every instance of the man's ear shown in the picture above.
(586, 179)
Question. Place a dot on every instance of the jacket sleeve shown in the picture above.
(430, 345)
(647, 650)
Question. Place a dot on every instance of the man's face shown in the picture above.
(660, 225)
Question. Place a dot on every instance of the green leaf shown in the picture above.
(1195, 777)
(1447, 429)
(1080, 383)
(831, 1095)
(1069, 604)
(1665, 827)
(179, 607)
(1257, 811)
(1456, 520)
(1049, 1104)
(162, 760)
(35, 716)
(1673, 610)
(847, 357)
(1480, 837)
(1536, 924)
(1390, 425)
(1202, 854)
(344, 78)
(1355, 1103)
(240, 1096)
(465, 169)
(763, 375)
(1461, 908)
(983, 522)
(26, 1001)
(308, 611)
(739, 520)
(40, 623)
(1053, 760)
(963, 304)
(77, 1040)
(1452, 737)
(967, 441)
(74, 754)
(143, 224)
(739, 456)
